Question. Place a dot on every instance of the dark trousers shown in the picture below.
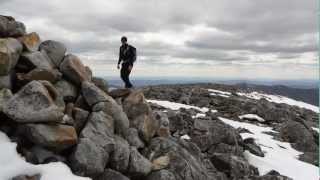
(125, 72)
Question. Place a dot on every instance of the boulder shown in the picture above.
(36, 59)
(163, 123)
(161, 175)
(34, 103)
(253, 147)
(73, 69)
(10, 50)
(9, 27)
(101, 83)
(30, 41)
(55, 51)
(186, 161)
(80, 117)
(134, 139)
(116, 93)
(51, 75)
(56, 137)
(300, 137)
(89, 158)
(272, 175)
(40, 155)
(100, 101)
(119, 158)
(234, 166)
(139, 166)
(110, 174)
(25, 177)
(67, 90)
(140, 115)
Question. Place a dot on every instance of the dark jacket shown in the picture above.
(127, 54)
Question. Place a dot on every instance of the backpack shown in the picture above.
(134, 53)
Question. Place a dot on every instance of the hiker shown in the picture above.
(127, 54)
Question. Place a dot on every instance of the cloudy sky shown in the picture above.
(269, 39)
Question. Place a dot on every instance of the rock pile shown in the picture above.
(56, 111)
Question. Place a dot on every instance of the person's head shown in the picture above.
(124, 40)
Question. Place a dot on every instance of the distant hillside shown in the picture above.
(310, 96)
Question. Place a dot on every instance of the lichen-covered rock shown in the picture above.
(34, 103)
(30, 41)
(10, 50)
(67, 90)
(80, 117)
(116, 93)
(5, 95)
(57, 137)
(110, 174)
(139, 166)
(119, 158)
(161, 175)
(6, 81)
(51, 75)
(134, 139)
(74, 70)
(55, 50)
(101, 83)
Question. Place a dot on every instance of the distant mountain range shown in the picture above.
(303, 90)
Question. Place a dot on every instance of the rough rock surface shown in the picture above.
(10, 50)
(55, 51)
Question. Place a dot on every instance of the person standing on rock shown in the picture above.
(127, 54)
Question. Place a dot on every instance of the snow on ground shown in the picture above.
(279, 156)
(279, 99)
(215, 92)
(12, 164)
(185, 137)
(252, 117)
(315, 129)
(177, 106)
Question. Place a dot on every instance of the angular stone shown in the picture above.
(55, 50)
(140, 114)
(36, 59)
(67, 90)
(93, 94)
(163, 123)
(10, 50)
(6, 81)
(51, 75)
(101, 83)
(89, 158)
(110, 174)
(134, 139)
(116, 93)
(119, 158)
(160, 162)
(30, 41)
(25, 177)
(74, 70)
(9, 27)
(5, 95)
(253, 147)
(56, 137)
(34, 103)
(80, 117)
(138, 165)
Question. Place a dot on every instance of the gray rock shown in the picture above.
(25, 177)
(67, 90)
(42, 156)
(30, 41)
(310, 157)
(234, 166)
(89, 158)
(34, 103)
(80, 117)
(9, 27)
(103, 102)
(73, 69)
(56, 137)
(110, 174)
(55, 51)
(134, 139)
(163, 123)
(101, 83)
(185, 159)
(10, 50)
(116, 93)
(140, 115)
(37, 59)
(6, 81)
(81, 103)
(119, 158)
(161, 175)
(51, 75)
(300, 137)
(272, 175)
(5, 95)
(138, 165)
(251, 146)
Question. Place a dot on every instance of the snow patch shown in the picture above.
(252, 117)
(279, 156)
(177, 106)
(198, 115)
(279, 99)
(315, 129)
(215, 92)
(185, 137)
(12, 164)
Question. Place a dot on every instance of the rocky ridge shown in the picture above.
(56, 111)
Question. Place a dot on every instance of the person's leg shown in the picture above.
(125, 75)
(128, 79)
